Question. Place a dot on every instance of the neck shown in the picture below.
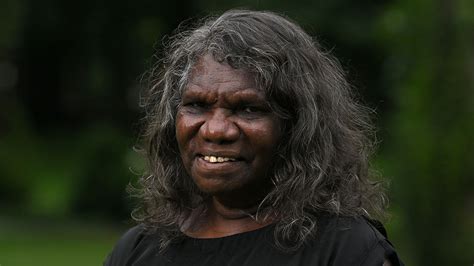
(226, 212)
(222, 220)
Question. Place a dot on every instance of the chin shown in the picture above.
(214, 186)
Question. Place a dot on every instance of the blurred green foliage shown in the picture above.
(69, 89)
(430, 144)
(55, 243)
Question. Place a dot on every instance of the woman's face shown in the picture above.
(226, 132)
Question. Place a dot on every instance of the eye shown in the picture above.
(250, 109)
(195, 104)
(194, 107)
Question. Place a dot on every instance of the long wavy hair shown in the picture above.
(322, 164)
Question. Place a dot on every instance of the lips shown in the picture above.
(214, 164)
(218, 159)
(219, 156)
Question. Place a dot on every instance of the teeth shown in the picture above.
(217, 159)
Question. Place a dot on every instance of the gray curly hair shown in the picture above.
(322, 166)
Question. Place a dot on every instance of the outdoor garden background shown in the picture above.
(70, 76)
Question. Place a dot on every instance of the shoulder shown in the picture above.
(353, 241)
(125, 246)
(348, 229)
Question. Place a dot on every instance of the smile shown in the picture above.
(218, 159)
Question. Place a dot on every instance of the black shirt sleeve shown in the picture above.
(354, 241)
(124, 247)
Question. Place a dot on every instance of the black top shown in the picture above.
(338, 241)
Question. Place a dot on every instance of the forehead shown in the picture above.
(209, 74)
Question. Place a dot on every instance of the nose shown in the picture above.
(219, 128)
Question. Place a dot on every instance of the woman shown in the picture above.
(257, 154)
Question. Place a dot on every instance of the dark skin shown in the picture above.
(227, 136)
(222, 114)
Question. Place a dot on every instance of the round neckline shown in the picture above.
(233, 236)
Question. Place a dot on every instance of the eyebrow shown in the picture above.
(237, 97)
(241, 92)
(249, 95)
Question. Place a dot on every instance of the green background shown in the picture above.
(69, 117)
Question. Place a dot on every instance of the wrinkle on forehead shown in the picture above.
(208, 70)
(213, 81)
(226, 95)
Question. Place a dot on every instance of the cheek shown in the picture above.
(272, 132)
(265, 138)
(186, 128)
(182, 131)
(183, 139)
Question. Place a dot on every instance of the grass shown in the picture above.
(51, 243)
